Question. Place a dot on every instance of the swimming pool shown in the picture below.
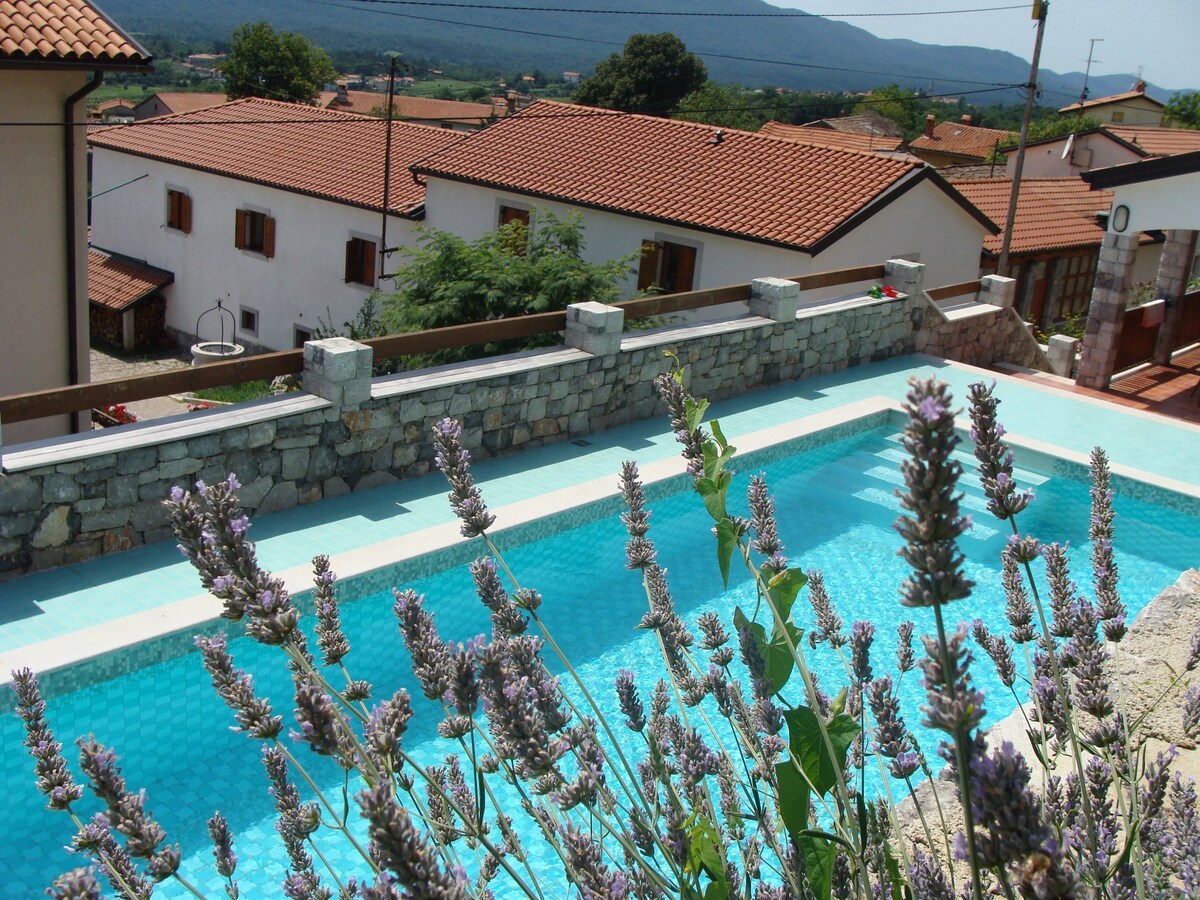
(836, 507)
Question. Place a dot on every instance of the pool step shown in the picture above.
(965, 457)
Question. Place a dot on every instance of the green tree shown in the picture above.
(1056, 126)
(513, 271)
(277, 65)
(1184, 109)
(893, 102)
(726, 106)
(651, 76)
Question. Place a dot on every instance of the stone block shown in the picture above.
(536, 410)
(57, 488)
(118, 539)
(104, 519)
(260, 434)
(90, 506)
(19, 493)
(204, 445)
(322, 462)
(335, 487)
(81, 551)
(374, 480)
(282, 496)
(252, 494)
(122, 490)
(997, 290)
(774, 298)
(904, 275)
(594, 328)
(15, 525)
(176, 468)
(147, 515)
(101, 462)
(308, 493)
(173, 450)
(235, 439)
(137, 460)
(294, 464)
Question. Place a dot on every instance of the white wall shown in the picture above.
(923, 222)
(301, 285)
(1046, 160)
(1172, 202)
(33, 278)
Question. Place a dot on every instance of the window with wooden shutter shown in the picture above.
(179, 211)
(239, 231)
(268, 243)
(514, 214)
(360, 261)
(648, 268)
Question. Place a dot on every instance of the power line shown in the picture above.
(794, 14)
(358, 5)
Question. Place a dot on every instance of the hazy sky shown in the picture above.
(1161, 36)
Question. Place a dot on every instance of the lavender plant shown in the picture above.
(736, 774)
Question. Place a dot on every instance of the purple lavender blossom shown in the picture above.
(630, 703)
(905, 660)
(764, 526)
(586, 867)
(1006, 810)
(953, 703)
(1064, 595)
(330, 637)
(254, 715)
(430, 656)
(639, 551)
(95, 838)
(670, 389)
(862, 635)
(1018, 610)
(931, 481)
(995, 459)
(384, 730)
(399, 848)
(1191, 711)
(1109, 605)
(453, 461)
(54, 779)
(226, 859)
(1000, 652)
(320, 725)
(506, 617)
(829, 623)
(78, 884)
(296, 820)
(891, 737)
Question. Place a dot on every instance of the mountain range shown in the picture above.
(802, 53)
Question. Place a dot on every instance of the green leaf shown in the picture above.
(838, 705)
(794, 798)
(818, 862)
(727, 535)
(780, 661)
(893, 867)
(713, 493)
(808, 745)
(783, 588)
(726, 450)
(694, 411)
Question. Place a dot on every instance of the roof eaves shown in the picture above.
(409, 212)
(1147, 170)
(646, 217)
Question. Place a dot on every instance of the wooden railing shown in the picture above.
(953, 290)
(63, 400)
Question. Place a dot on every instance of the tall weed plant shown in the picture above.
(739, 774)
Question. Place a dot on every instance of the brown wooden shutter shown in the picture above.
(239, 234)
(185, 213)
(368, 263)
(351, 260)
(686, 272)
(268, 237)
(648, 269)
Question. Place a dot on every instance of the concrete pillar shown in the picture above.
(997, 290)
(1060, 353)
(904, 276)
(128, 338)
(1107, 310)
(1173, 269)
(338, 369)
(595, 328)
(774, 298)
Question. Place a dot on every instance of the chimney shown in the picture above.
(342, 96)
(930, 121)
(1139, 86)
(510, 103)
(966, 119)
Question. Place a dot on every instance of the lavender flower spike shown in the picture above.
(54, 779)
(453, 461)
(931, 499)
(995, 460)
(78, 884)
(670, 389)
(400, 849)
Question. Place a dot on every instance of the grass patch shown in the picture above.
(236, 393)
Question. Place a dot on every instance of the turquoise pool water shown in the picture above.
(836, 508)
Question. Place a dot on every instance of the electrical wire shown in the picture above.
(358, 5)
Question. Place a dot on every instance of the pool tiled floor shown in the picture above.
(59, 603)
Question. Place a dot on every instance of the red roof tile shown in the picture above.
(187, 101)
(1052, 213)
(828, 137)
(410, 107)
(336, 156)
(733, 182)
(118, 282)
(957, 139)
(1114, 98)
(64, 31)
(1157, 141)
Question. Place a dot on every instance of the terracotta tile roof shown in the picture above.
(1157, 141)
(116, 103)
(828, 137)
(732, 182)
(1052, 213)
(119, 282)
(410, 107)
(336, 156)
(64, 31)
(957, 139)
(1114, 98)
(187, 101)
(872, 123)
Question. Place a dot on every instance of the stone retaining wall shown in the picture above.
(92, 494)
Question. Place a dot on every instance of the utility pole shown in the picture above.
(1040, 7)
(387, 166)
(1088, 71)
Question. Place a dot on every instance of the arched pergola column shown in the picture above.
(1173, 270)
